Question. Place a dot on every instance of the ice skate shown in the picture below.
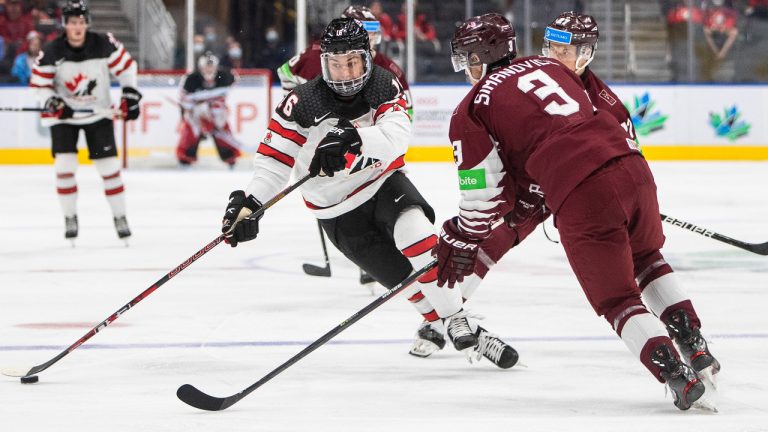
(71, 228)
(121, 226)
(462, 330)
(684, 383)
(430, 338)
(494, 349)
(693, 347)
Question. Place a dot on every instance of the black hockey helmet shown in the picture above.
(486, 39)
(75, 8)
(343, 41)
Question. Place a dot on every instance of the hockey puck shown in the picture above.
(29, 379)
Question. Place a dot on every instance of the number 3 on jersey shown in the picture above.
(550, 86)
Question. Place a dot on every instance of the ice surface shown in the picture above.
(236, 314)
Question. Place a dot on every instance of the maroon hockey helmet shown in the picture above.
(571, 28)
(369, 20)
(75, 8)
(486, 39)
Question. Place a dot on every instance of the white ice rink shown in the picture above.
(235, 314)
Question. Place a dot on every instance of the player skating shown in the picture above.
(528, 122)
(349, 128)
(74, 71)
(204, 111)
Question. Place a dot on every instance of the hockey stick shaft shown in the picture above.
(325, 248)
(34, 109)
(190, 395)
(758, 248)
(41, 367)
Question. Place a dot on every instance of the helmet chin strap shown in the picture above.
(472, 79)
(580, 69)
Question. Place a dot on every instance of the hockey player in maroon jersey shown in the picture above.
(572, 39)
(73, 71)
(204, 111)
(349, 129)
(306, 65)
(528, 125)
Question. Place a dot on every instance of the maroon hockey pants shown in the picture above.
(611, 231)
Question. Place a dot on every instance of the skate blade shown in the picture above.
(71, 242)
(709, 377)
(125, 241)
(705, 404)
(423, 348)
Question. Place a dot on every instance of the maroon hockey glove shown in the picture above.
(129, 103)
(330, 153)
(236, 225)
(56, 106)
(456, 254)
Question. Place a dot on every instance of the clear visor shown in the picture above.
(578, 56)
(460, 60)
(346, 72)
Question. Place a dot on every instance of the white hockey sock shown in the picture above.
(639, 329)
(65, 166)
(663, 293)
(109, 169)
(415, 236)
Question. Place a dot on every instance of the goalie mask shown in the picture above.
(345, 56)
(369, 20)
(481, 44)
(208, 65)
(75, 8)
(572, 39)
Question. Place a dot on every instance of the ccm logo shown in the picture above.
(456, 243)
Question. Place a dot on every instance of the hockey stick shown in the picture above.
(41, 367)
(760, 249)
(314, 270)
(190, 395)
(33, 109)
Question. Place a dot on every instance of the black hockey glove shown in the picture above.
(129, 103)
(56, 106)
(329, 155)
(236, 225)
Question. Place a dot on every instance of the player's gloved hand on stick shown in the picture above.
(329, 155)
(56, 106)
(129, 103)
(456, 254)
(236, 225)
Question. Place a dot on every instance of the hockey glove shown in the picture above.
(330, 153)
(129, 103)
(56, 106)
(456, 254)
(236, 225)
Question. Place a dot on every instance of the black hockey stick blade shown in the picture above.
(757, 248)
(314, 270)
(196, 398)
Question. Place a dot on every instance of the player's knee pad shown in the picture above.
(107, 167)
(65, 163)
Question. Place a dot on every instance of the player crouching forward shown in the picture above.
(74, 71)
(349, 129)
(595, 181)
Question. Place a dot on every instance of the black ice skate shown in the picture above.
(494, 349)
(684, 383)
(430, 338)
(70, 227)
(460, 327)
(121, 225)
(692, 345)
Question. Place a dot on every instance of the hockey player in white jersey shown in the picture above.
(73, 71)
(349, 129)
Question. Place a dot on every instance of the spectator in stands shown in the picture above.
(751, 66)
(720, 33)
(274, 53)
(47, 22)
(424, 31)
(16, 24)
(233, 58)
(384, 20)
(22, 66)
(678, 14)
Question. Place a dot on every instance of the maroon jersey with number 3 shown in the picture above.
(527, 128)
(603, 98)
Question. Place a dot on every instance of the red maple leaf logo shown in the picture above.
(72, 85)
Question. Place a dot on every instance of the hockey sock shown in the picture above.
(109, 169)
(664, 295)
(415, 236)
(643, 333)
(65, 166)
